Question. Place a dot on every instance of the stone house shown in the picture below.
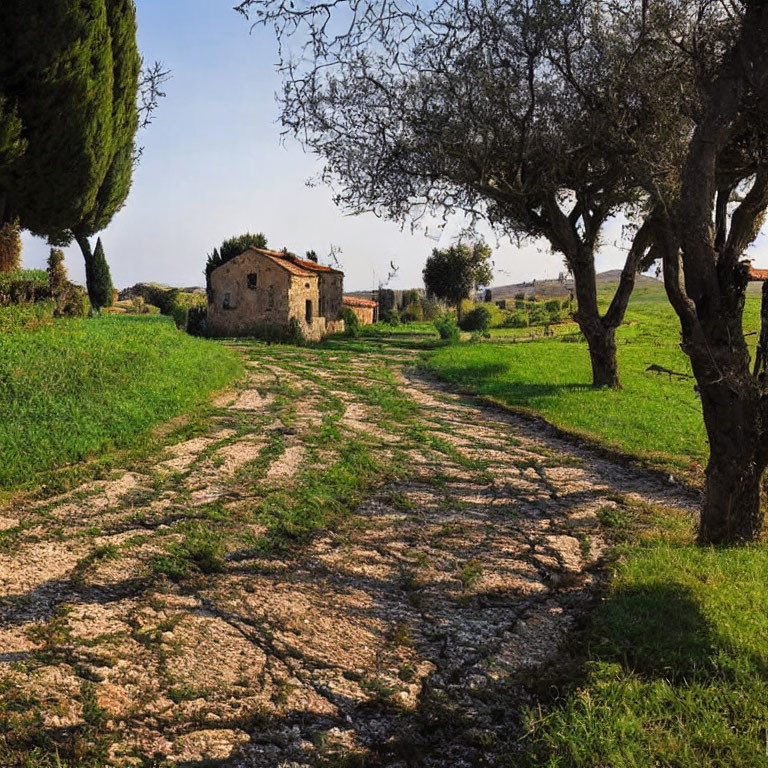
(365, 309)
(261, 287)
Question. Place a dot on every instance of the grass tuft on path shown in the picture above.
(74, 388)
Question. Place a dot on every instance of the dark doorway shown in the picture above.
(309, 311)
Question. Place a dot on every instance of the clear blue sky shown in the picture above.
(214, 166)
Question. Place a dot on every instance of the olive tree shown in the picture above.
(713, 214)
(451, 274)
(524, 113)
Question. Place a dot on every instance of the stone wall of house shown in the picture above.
(303, 292)
(331, 288)
(364, 314)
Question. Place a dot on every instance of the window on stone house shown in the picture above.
(253, 280)
(271, 297)
(227, 303)
(309, 311)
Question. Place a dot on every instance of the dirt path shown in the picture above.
(160, 618)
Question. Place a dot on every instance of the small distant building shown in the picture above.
(261, 287)
(366, 310)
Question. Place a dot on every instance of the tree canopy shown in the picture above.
(57, 75)
(534, 116)
(451, 274)
(73, 97)
(230, 248)
(115, 184)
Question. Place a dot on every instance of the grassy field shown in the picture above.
(673, 668)
(75, 388)
(654, 417)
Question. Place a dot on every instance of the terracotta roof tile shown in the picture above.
(287, 264)
(758, 274)
(314, 267)
(354, 301)
(294, 264)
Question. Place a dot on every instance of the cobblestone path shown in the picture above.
(218, 605)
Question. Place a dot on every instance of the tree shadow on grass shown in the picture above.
(653, 631)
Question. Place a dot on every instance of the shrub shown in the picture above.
(23, 286)
(180, 315)
(197, 321)
(479, 319)
(467, 305)
(10, 247)
(566, 304)
(497, 314)
(139, 305)
(26, 316)
(519, 297)
(447, 328)
(57, 272)
(391, 317)
(538, 316)
(351, 322)
(412, 312)
(556, 317)
(520, 303)
(162, 298)
(71, 300)
(431, 308)
(553, 305)
(516, 319)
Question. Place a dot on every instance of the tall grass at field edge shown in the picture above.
(74, 388)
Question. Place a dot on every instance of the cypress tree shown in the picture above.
(116, 183)
(98, 281)
(10, 246)
(57, 71)
(12, 147)
(57, 272)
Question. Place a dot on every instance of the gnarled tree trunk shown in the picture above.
(732, 512)
(734, 416)
(600, 331)
(601, 338)
(705, 282)
(602, 353)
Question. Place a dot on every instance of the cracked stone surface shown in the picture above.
(402, 636)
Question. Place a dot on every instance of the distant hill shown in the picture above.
(556, 288)
(539, 288)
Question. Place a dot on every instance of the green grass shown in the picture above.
(425, 327)
(674, 670)
(652, 417)
(75, 388)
